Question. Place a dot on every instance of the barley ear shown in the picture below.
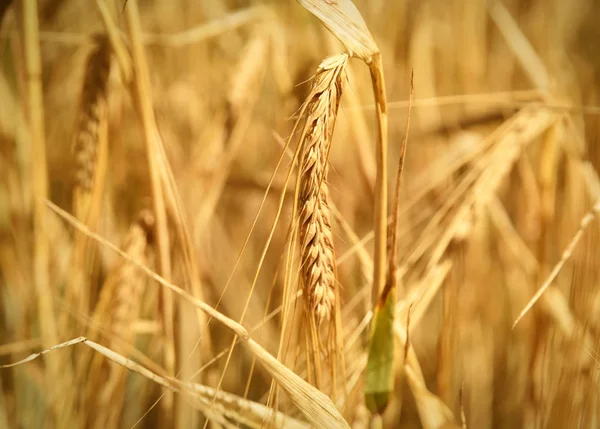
(91, 113)
(316, 238)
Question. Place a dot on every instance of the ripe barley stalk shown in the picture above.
(318, 272)
(90, 150)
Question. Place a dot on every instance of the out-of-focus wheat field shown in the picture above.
(166, 149)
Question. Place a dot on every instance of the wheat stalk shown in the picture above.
(316, 240)
(90, 151)
(55, 378)
(344, 21)
(158, 167)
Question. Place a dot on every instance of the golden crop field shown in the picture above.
(295, 214)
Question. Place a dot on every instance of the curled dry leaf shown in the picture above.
(432, 410)
(346, 23)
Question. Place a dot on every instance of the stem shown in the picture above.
(143, 99)
(380, 254)
(39, 171)
(392, 274)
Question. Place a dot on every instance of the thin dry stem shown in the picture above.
(391, 281)
(381, 215)
(41, 257)
(143, 97)
(566, 254)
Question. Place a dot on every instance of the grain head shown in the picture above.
(316, 240)
(91, 112)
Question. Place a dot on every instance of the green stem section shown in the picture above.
(379, 377)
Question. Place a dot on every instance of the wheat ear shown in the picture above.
(91, 113)
(316, 240)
